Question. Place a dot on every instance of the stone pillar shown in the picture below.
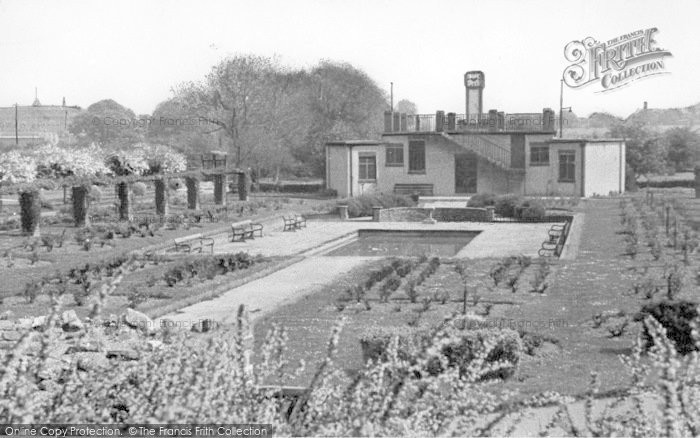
(376, 211)
(439, 121)
(30, 212)
(548, 120)
(125, 213)
(697, 180)
(493, 120)
(404, 122)
(417, 123)
(501, 117)
(387, 122)
(220, 189)
(343, 212)
(80, 206)
(451, 121)
(192, 184)
(397, 122)
(162, 206)
(243, 186)
(490, 213)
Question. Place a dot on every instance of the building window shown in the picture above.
(567, 166)
(416, 157)
(394, 155)
(368, 167)
(539, 155)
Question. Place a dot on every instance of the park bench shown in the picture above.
(290, 223)
(556, 237)
(409, 189)
(240, 231)
(194, 243)
(300, 220)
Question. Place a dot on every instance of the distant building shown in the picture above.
(454, 154)
(35, 124)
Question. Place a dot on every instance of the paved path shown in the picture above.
(265, 294)
(305, 277)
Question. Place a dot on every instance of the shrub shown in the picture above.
(482, 200)
(138, 188)
(530, 209)
(505, 205)
(458, 349)
(676, 317)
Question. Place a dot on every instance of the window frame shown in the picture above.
(572, 163)
(411, 169)
(393, 146)
(536, 150)
(361, 166)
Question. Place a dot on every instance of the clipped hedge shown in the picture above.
(676, 317)
(510, 205)
(362, 205)
(481, 200)
(459, 348)
(289, 187)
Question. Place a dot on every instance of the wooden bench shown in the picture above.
(554, 244)
(409, 189)
(290, 223)
(300, 220)
(194, 243)
(240, 231)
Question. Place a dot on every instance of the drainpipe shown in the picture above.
(351, 169)
(583, 169)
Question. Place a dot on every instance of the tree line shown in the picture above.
(266, 116)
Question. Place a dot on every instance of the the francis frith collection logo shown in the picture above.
(614, 63)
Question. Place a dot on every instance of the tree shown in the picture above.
(109, 124)
(406, 106)
(345, 103)
(645, 152)
(232, 101)
(683, 147)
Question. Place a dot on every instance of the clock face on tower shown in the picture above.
(474, 79)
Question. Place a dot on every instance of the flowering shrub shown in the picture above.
(162, 159)
(55, 162)
(17, 168)
(127, 162)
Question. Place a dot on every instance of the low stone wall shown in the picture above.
(419, 214)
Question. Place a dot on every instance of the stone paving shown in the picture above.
(495, 239)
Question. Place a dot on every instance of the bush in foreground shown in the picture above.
(677, 319)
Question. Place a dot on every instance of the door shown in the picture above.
(465, 173)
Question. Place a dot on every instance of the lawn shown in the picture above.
(578, 321)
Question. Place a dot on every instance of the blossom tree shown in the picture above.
(17, 168)
(81, 164)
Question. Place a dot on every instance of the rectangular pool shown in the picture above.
(385, 243)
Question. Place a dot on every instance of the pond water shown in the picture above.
(383, 243)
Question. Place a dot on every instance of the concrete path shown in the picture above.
(265, 294)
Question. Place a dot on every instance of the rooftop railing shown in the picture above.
(493, 121)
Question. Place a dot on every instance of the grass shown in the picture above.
(598, 280)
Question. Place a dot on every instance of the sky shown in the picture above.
(135, 51)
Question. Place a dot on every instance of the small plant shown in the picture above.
(425, 304)
(441, 296)
(411, 290)
(388, 287)
(33, 257)
(136, 296)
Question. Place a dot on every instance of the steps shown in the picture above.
(484, 148)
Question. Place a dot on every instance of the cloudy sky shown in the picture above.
(135, 51)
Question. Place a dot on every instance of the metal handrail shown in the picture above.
(483, 147)
(513, 122)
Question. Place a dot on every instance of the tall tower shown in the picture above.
(474, 83)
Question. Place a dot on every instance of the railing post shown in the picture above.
(417, 123)
(501, 120)
(493, 120)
